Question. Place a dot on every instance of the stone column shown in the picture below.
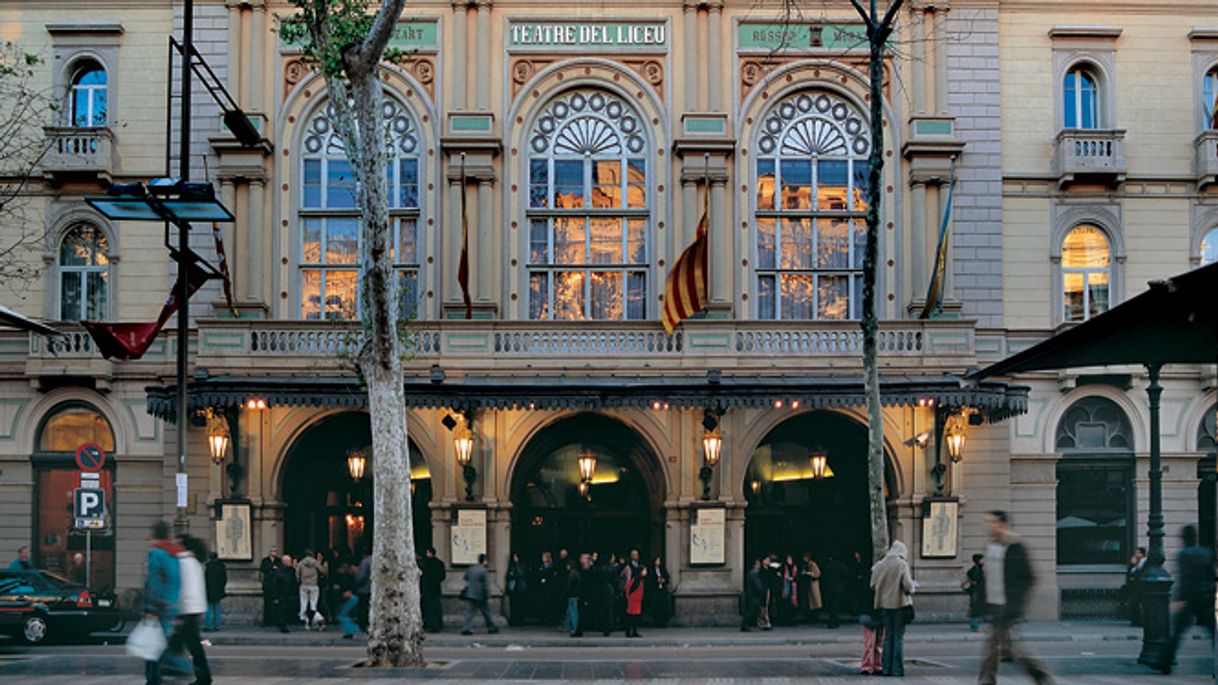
(258, 266)
(450, 251)
(236, 267)
(690, 214)
(917, 240)
(480, 275)
(235, 71)
(714, 78)
(482, 50)
(256, 61)
(940, 46)
(721, 252)
(460, 33)
(690, 41)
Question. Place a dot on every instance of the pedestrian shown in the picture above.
(308, 580)
(543, 591)
(1008, 583)
(811, 570)
(266, 574)
(792, 598)
(1132, 590)
(836, 581)
(1192, 597)
(216, 576)
(325, 604)
(192, 604)
(570, 594)
(657, 598)
(607, 598)
(161, 589)
(284, 591)
(773, 588)
(635, 593)
(476, 594)
(431, 586)
(974, 585)
(894, 589)
(860, 583)
(363, 587)
(22, 562)
(754, 595)
(517, 589)
(589, 594)
(344, 588)
(872, 622)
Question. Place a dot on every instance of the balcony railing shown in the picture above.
(1092, 154)
(1205, 160)
(80, 151)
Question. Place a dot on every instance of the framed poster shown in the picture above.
(939, 530)
(706, 536)
(468, 536)
(234, 535)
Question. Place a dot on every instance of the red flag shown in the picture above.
(129, 341)
(685, 292)
(463, 265)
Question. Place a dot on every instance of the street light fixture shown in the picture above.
(587, 465)
(819, 461)
(953, 435)
(356, 462)
(217, 436)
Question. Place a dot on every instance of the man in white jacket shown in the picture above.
(192, 604)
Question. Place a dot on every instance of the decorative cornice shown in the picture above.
(1203, 33)
(104, 28)
(1085, 31)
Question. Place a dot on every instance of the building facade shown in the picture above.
(582, 146)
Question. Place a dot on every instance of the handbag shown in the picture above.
(908, 612)
(147, 641)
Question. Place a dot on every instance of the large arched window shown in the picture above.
(87, 96)
(56, 540)
(1209, 247)
(84, 266)
(330, 221)
(1086, 273)
(1095, 515)
(1081, 98)
(811, 181)
(589, 212)
(1209, 98)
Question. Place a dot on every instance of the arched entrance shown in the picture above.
(622, 505)
(795, 507)
(326, 509)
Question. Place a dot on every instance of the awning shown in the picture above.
(995, 400)
(25, 323)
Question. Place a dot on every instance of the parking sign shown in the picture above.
(90, 508)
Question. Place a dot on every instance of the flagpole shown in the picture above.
(181, 522)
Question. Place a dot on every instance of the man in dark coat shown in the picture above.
(835, 587)
(1192, 597)
(754, 594)
(544, 589)
(431, 582)
(266, 574)
(1008, 583)
(476, 595)
(216, 579)
(588, 589)
(285, 591)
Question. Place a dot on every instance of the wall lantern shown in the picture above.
(819, 461)
(712, 446)
(357, 460)
(953, 435)
(587, 465)
(463, 442)
(712, 449)
(217, 436)
(755, 486)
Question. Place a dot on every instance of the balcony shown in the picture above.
(638, 348)
(1205, 159)
(79, 153)
(1089, 155)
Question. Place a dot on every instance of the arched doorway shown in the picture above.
(326, 509)
(796, 507)
(621, 507)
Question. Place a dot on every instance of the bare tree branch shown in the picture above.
(374, 44)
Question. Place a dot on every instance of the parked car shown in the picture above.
(36, 605)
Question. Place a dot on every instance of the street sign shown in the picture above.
(89, 508)
(90, 457)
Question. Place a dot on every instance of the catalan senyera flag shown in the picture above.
(934, 292)
(685, 292)
(463, 264)
(128, 341)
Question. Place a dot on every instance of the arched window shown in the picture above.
(1095, 516)
(1209, 247)
(330, 221)
(84, 269)
(1207, 477)
(87, 99)
(811, 181)
(1209, 98)
(56, 539)
(589, 209)
(1086, 271)
(1081, 99)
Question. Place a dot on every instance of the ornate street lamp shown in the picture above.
(953, 435)
(819, 461)
(755, 486)
(356, 462)
(587, 465)
(463, 444)
(217, 437)
(712, 446)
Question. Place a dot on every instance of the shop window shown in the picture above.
(1086, 273)
(57, 543)
(589, 210)
(330, 240)
(810, 229)
(1209, 247)
(84, 271)
(1081, 97)
(87, 95)
(1095, 513)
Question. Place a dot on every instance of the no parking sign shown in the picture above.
(90, 457)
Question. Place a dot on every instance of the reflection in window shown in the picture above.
(330, 224)
(1081, 99)
(811, 189)
(84, 269)
(1209, 99)
(1095, 515)
(588, 212)
(1209, 247)
(1086, 273)
(87, 97)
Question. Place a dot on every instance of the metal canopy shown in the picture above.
(9, 317)
(1174, 322)
(996, 400)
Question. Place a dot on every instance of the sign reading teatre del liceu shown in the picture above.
(589, 34)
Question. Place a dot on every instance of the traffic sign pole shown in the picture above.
(88, 557)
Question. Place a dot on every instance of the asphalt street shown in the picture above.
(1076, 662)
